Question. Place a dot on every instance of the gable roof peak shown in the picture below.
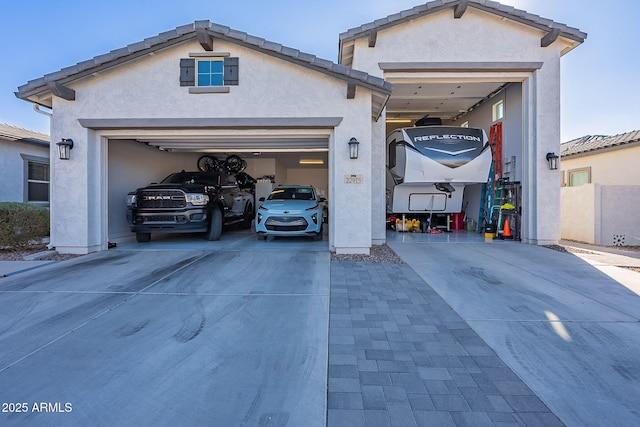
(490, 6)
(38, 87)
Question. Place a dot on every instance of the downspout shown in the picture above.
(36, 108)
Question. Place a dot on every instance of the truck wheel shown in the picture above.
(247, 217)
(215, 225)
(143, 237)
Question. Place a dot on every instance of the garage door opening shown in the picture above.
(268, 160)
(492, 102)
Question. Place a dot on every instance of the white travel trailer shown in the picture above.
(428, 168)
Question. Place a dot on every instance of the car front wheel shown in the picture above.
(215, 225)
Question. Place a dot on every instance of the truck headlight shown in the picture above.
(197, 199)
(131, 199)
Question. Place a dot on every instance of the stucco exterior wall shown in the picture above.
(12, 168)
(578, 213)
(482, 37)
(149, 88)
(601, 214)
(615, 167)
(476, 37)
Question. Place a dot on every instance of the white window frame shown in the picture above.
(497, 111)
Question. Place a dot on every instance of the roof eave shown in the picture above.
(504, 11)
(39, 91)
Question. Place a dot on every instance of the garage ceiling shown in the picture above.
(414, 100)
(291, 151)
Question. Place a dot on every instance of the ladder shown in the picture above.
(485, 203)
(490, 190)
(495, 142)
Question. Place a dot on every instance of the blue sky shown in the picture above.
(600, 79)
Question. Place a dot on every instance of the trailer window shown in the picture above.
(392, 154)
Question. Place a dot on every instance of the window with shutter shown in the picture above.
(231, 71)
(208, 72)
(187, 72)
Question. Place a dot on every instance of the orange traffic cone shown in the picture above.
(506, 230)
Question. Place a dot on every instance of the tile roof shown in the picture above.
(597, 142)
(13, 133)
(486, 5)
(189, 31)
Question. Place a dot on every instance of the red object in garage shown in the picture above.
(457, 221)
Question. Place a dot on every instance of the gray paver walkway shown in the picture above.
(399, 355)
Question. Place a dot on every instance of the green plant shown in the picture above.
(22, 224)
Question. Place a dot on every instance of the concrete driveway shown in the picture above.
(182, 331)
(194, 336)
(567, 325)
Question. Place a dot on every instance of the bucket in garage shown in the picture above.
(470, 224)
(490, 231)
(457, 221)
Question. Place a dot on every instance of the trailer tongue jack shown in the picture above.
(444, 187)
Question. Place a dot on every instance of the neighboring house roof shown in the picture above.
(12, 133)
(554, 29)
(203, 31)
(590, 143)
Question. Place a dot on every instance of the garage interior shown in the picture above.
(467, 99)
(285, 158)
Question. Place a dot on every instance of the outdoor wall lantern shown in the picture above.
(353, 148)
(552, 158)
(64, 148)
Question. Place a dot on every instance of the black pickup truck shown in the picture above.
(189, 202)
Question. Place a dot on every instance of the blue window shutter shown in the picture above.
(187, 72)
(230, 71)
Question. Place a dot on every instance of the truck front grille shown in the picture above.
(161, 199)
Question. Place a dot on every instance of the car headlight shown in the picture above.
(197, 199)
(131, 199)
(314, 217)
(259, 217)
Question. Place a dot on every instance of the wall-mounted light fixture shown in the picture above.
(353, 148)
(552, 158)
(64, 148)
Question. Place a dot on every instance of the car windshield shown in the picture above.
(192, 178)
(302, 193)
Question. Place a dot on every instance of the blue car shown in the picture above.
(290, 210)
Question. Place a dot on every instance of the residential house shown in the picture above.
(24, 165)
(600, 195)
(137, 113)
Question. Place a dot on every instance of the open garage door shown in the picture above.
(271, 157)
(487, 96)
